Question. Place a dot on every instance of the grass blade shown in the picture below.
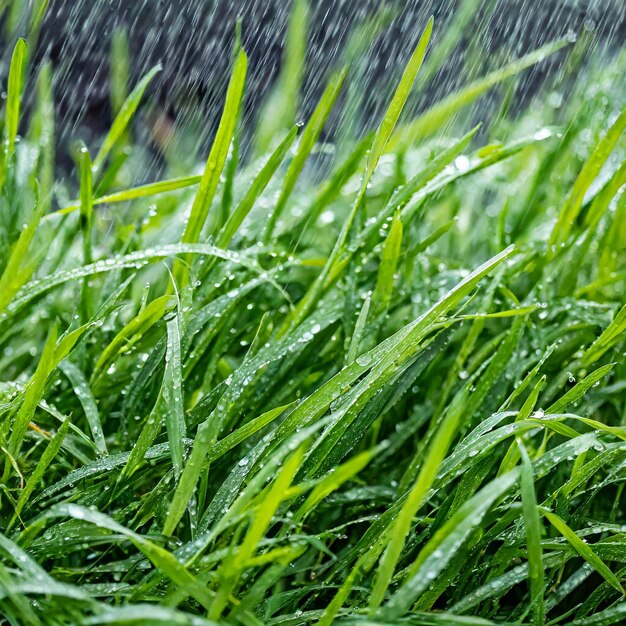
(309, 138)
(259, 184)
(532, 527)
(88, 402)
(588, 174)
(216, 160)
(434, 118)
(583, 549)
(173, 395)
(17, 71)
(46, 458)
(122, 120)
(438, 551)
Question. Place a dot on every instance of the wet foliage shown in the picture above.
(368, 376)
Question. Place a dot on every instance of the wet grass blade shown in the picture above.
(607, 340)
(33, 393)
(279, 112)
(532, 528)
(434, 118)
(122, 120)
(261, 519)
(19, 267)
(310, 135)
(380, 141)
(583, 549)
(86, 224)
(205, 450)
(438, 551)
(173, 395)
(392, 116)
(17, 71)
(388, 267)
(569, 211)
(88, 402)
(52, 449)
(259, 184)
(216, 160)
(430, 467)
(124, 340)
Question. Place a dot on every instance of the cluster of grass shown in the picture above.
(397, 395)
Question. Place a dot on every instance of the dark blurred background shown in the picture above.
(193, 39)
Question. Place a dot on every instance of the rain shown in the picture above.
(312, 312)
(193, 41)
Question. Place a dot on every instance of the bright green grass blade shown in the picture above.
(603, 199)
(244, 432)
(143, 191)
(309, 138)
(173, 395)
(359, 331)
(152, 427)
(19, 267)
(259, 184)
(88, 402)
(580, 389)
(447, 40)
(42, 133)
(434, 118)
(392, 116)
(380, 141)
(607, 340)
(122, 120)
(230, 169)
(17, 72)
(583, 549)
(436, 554)
(388, 266)
(532, 527)
(133, 260)
(569, 211)
(86, 224)
(261, 519)
(512, 456)
(216, 160)
(206, 450)
(34, 392)
(335, 479)
(436, 453)
(128, 335)
(119, 73)
(46, 458)
(279, 112)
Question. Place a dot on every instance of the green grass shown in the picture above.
(250, 396)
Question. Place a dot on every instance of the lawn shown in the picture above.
(387, 390)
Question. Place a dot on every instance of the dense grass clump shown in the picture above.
(395, 395)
